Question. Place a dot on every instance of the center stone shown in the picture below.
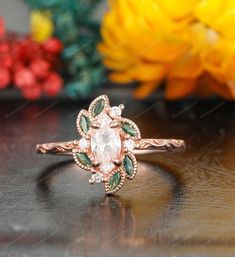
(105, 143)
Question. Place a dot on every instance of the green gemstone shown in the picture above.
(127, 128)
(84, 159)
(128, 165)
(84, 123)
(114, 181)
(98, 107)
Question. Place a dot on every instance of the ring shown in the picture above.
(108, 145)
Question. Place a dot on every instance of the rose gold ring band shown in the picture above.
(144, 146)
(108, 145)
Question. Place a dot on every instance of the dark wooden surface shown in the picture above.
(180, 204)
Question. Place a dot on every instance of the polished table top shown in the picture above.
(180, 204)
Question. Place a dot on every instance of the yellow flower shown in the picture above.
(41, 25)
(190, 44)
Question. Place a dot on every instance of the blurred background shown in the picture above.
(172, 64)
(50, 59)
(72, 48)
(11, 9)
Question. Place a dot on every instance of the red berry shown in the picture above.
(26, 63)
(28, 50)
(17, 66)
(6, 61)
(40, 68)
(24, 78)
(5, 78)
(4, 48)
(53, 45)
(52, 84)
(32, 93)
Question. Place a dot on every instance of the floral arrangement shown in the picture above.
(185, 47)
(30, 66)
(62, 43)
(73, 23)
(188, 44)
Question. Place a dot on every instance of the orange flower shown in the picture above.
(191, 44)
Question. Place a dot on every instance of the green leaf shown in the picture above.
(84, 159)
(127, 128)
(84, 123)
(114, 181)
(98, 107)
(128, 165)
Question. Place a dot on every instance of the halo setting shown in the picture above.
(107, 140)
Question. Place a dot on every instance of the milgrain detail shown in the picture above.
(165, 145)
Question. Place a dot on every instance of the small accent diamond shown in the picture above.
(129, 144)
(97, 177)
(83, 143)
(115, 111)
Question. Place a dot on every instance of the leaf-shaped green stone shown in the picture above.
(128, 165)
(84, 123)
(98, 107)
(127, 128)
(114, 181)
(84, 159)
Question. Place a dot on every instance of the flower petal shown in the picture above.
(178, 88)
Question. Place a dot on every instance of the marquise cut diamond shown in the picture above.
(105, 143)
